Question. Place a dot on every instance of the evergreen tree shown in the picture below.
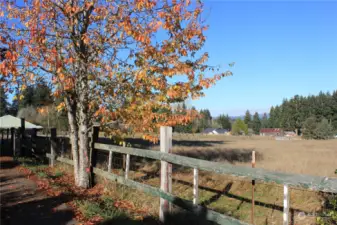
(28, 97)
(309, 127)
(256, 123)
(224, 122)
(42, 95)
(271, 121)
(334, 110)
(277, 117)
(264, 121)
(3, 102)
(248, 119)
(205, 120)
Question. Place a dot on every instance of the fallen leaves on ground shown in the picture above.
(64, 185)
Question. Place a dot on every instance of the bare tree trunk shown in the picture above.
(83, 124)
(71, 108)
(84, 166)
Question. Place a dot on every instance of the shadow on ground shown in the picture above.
(48, 211)
(217, 154)
(181, 217)
(141, 143)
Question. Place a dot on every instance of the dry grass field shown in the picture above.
(312, 157)
(231, 195)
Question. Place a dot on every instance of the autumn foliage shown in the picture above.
(125, 61)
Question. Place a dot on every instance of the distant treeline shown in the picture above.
(299, 113)
(292, 113)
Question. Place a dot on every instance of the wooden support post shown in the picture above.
(22, 137)
(285, 205)
(94, 138)
(253, 189)
(169, 165)
(127, 164)
(2, 140)
(195, 186)
(93, 153)
(13, 141)
(165, 138)
(53, 136)
(33, 141)
(110, 162)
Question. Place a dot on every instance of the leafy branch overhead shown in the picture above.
(124, 59)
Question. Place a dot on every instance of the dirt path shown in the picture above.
(22, 203)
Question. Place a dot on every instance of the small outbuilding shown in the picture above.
(271, 132)
(8, 121)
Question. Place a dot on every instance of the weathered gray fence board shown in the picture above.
(185, 204)
(325, 184)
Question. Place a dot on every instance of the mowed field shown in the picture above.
(312, 157)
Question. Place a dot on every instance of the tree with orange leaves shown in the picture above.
(123, 60)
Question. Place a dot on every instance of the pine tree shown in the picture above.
(42, 95)
(3, 102)
(205, 120)
(256, 123)
(248, 119)
(334, 110)
(309, 127)
(264, 121)
(224, 122)
(271, 120)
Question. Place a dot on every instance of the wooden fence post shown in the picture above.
(53, 136)
(169, 165)
(195, 186)
(13, 140)
(110, 161)
(93, 153)
(253, 189)
(22, 137)
(127, 164)
(2, 140)
(33, 141)
(165, 138)
(285, 205)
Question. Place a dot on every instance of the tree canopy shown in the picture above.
(108, 61)
(239, 127)
(3, 102)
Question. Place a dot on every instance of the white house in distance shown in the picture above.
(215, 131)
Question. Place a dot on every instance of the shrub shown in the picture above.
(309, 128)
(324, 130)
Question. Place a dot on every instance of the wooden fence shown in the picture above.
(323, 184)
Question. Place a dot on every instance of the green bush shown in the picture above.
(239, 127)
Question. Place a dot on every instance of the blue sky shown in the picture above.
(279, 48)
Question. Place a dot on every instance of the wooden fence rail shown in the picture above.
(183, 203)
(324, 184)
